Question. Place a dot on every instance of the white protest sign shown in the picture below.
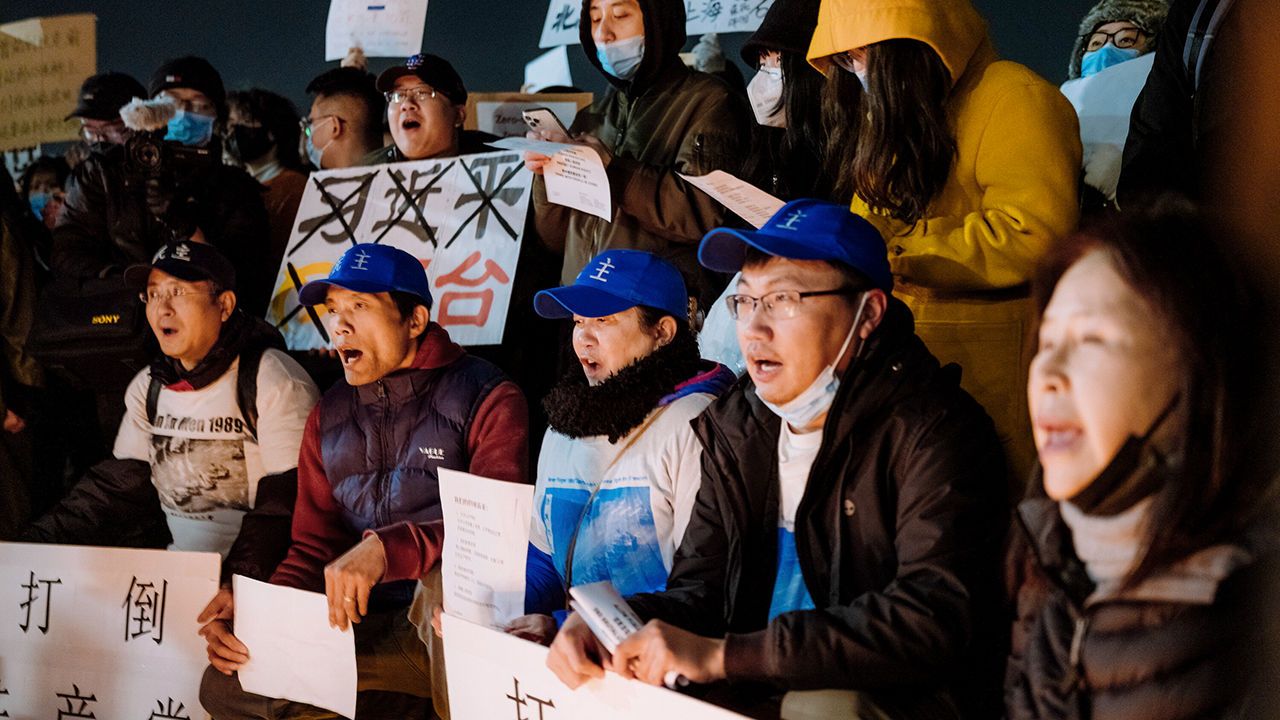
(547, 70)
(742, 198)
(501, 113)
(701, 17)
(102, 632)
(382, 28)
(486, 544)
(293, 652)
(495, 675)
(462, 217)
(575, 176)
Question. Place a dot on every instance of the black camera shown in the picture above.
(148, 155)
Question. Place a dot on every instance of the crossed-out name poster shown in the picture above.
(462, 217)
(102, 632)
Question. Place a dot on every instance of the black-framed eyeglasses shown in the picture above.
(781, 305)
(418, 95)
(1124, 38)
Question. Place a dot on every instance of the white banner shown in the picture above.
(495, 675)
(702, 16)
(463, 217)
(383, 28)
(102, 632)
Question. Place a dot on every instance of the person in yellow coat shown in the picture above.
(968, 165)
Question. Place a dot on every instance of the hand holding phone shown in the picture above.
(543, 121)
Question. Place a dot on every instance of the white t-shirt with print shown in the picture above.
(796, 453)
(638, 517)
(204, 462)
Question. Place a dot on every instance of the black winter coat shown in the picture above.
(1118, 659)
(107, 226)
(898, 534)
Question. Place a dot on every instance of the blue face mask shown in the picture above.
(38, 202)
(1104, 57)
(621, 59)
(190, 129)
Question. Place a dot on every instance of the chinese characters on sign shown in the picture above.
(37, 589)
(463, 218)
(701, 16)
(76, 704)
(42, 63)
(144, 610)
(523, 703)
(171, 710)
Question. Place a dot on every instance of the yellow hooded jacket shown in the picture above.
(964, 269)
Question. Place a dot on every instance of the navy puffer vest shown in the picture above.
(383, 443)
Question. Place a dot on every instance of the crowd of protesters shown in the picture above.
(965, 430)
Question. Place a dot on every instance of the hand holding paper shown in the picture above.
(575, 174)
(742, 198)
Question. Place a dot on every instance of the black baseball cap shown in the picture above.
(186, 260)
(430, 69)
(102, 96)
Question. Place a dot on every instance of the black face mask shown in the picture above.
(1136, 471)
(247, 144)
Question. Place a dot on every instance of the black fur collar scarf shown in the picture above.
(620, 404)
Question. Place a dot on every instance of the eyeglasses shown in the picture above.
(308, 124)
(417, 95)
(782, 305)
(102, 133)
(1124, 39)
(176, 294)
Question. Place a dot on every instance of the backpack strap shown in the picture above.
(247, 388)
(1204, 24)
(153, 398)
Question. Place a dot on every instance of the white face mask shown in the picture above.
(765, 92)
(816, 399)
(862, 78)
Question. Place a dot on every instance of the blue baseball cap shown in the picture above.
(804, 230)
(371, 268)
(617, 280)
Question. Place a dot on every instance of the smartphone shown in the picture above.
(544, 121)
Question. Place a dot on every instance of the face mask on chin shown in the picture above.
(621, 58)
(765, 93)
(815, 400)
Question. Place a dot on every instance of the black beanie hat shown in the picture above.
(191, 72)
(788, 27)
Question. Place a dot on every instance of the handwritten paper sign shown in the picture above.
(382, 28)
(293, 652)
(102, 632)
(499, 113)
(701, 16)
(575, 176)
(463, 217)
(43, 61)
(486, 543)
(494, 675)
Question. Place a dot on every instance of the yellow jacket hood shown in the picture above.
(953, 28)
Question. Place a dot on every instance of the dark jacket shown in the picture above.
(667, 120)
(1177, 122)
(898, 536)
(1123, 658)
(106, 224)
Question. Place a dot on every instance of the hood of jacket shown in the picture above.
(664, 38)
(953, 28)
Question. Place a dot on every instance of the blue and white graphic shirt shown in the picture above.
(636, 520)
(796, 453)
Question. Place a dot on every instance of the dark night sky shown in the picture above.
(279, 44)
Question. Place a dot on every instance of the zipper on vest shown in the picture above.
(384, 507)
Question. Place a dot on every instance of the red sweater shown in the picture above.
(497, 443)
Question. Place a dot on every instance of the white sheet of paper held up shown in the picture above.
(293, 653)
(575, 176)
(742, 198)
(548, 69)
(486, 544)
(382, 28)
